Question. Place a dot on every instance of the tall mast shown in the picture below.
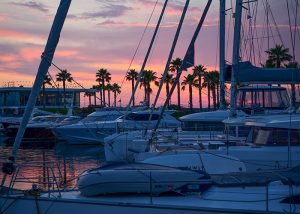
(171, 52)
(147, 54)
(222, 53)
(235, 55)
(187, 62)
(45, 63)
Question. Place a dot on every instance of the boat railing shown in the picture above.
(50, 180)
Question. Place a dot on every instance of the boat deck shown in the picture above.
(258, 178)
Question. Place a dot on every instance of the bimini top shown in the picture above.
(284, 121)
(249, 74)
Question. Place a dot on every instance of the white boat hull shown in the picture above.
(234, 200)
(141, 178)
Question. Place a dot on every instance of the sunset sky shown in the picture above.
(105, 33)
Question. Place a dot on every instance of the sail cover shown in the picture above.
(249, 74)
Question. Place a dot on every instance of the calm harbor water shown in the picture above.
(65, 161)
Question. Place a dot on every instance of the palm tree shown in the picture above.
(148, 77)
(293, 64)
(190, 81)
(199, 71)
(115, 89)
(103, 76)
(174, 67)
(132, 76)
(64, 76)
(47, 81)
(278, 55)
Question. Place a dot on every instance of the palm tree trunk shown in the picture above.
(148, 96)
(44, 98)
(108, 91)
(214, 96)
(95, 99)
(218, 95)
(191, 96)
(178, 94)
(90, 100)
(64, 88)
(168, 92)
(145, 90)
(132, 89)
(200, 92)
(208, 96)
(103, 85)
(100, 94)
(115, 99)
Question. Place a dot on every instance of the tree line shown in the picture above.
(200, 78)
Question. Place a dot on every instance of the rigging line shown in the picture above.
(147, 54)
(256, 33)
(173, 46)
(228, 33)
(138, 46)
(295, 25)
(218, 47)
(290, 28)
(252, 14)
(274, 21)
(56, 86)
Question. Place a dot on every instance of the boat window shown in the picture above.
(202, 126)
(276, 136)
(140, 117)
(266, 98)
(240, 131)
(100, 118)
(295, 199)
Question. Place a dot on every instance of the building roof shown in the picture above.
(5, 89)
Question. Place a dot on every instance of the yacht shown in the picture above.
(276, 192)
(135, 178)
(205, 130)
(95, 132)
(38, 129)
(100, 115)
(272, 143)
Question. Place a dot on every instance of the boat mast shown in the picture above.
(147, 55)
(222, 52)
(45, 63)
(171, 52)
(235, 55)
(187, 62)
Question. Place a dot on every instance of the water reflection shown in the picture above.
(60, 165)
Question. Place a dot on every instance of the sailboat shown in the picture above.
(275, 197)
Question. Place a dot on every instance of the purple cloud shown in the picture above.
(108, 11)
(32, 5)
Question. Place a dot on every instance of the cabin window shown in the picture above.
(141, 117)
(203, 126)
(295, 199)
(276, 136)
(265, 98)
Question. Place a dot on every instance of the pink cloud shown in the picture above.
(31, 54)
(7, 58)
(2, 18)
(14, 34)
